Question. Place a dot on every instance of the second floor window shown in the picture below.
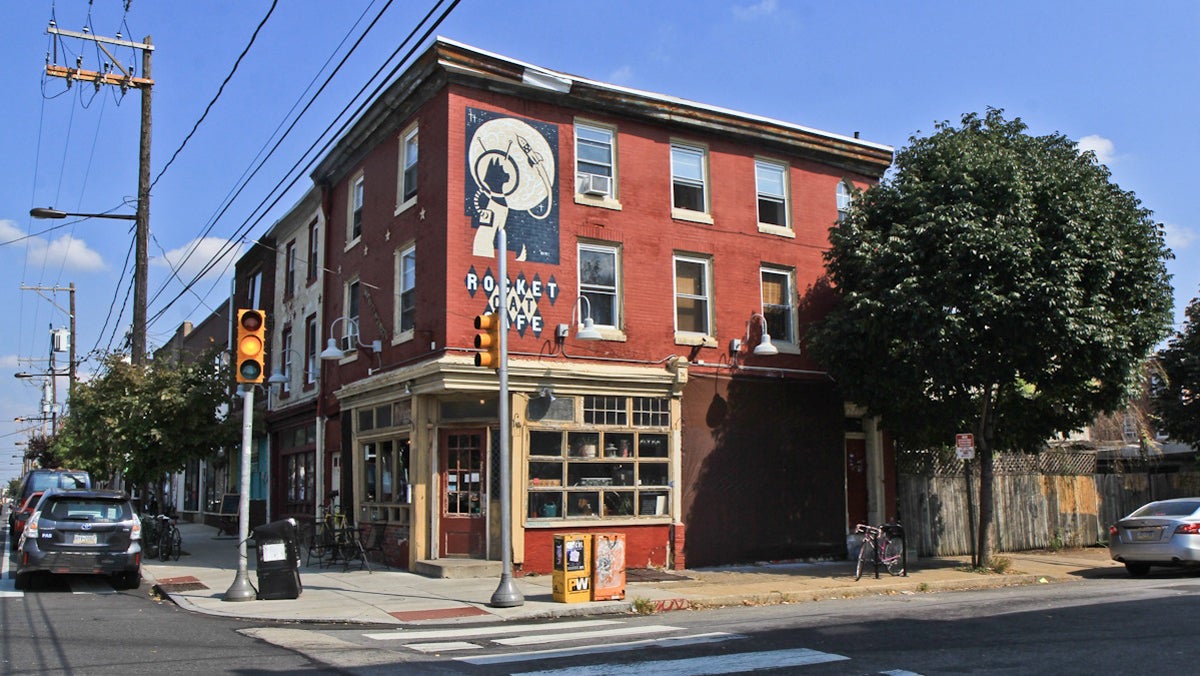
(406, 289)
(356, 208)
(771, 179)
(594, 160)
(350, 330)
(314, 250)
(599, 279)
(688, 178)
(286, 358)
(693, 298)
(777, 304)
(310, 351)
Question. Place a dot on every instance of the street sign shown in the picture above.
(965, 446)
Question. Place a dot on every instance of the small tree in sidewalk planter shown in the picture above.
(996, 283)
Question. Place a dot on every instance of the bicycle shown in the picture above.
(150, 536)
(170, 540)
(882, 546)
(333, 538)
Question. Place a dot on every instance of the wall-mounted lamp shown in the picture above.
(547, 394)
(332, 352)
(764, 347)
(278, 375)
(587, 327)
(408, 387)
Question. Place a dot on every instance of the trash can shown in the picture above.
(278, 560)
(572, 578)
(608, 564)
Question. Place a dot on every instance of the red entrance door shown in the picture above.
(464, 502)
(856, 482)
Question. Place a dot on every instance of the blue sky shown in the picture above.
(1118, 77)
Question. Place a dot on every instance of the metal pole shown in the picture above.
(506, 595)
(241, 589)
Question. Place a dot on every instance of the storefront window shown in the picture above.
(386, 489)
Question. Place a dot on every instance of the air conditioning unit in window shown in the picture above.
(594, 184)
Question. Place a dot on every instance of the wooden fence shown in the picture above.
(1042, 501)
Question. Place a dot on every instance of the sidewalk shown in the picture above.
(199, 580)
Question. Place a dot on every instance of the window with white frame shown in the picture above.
(408, 168)
(289, 275)
(354, 219)
(286, 359)
(844, 197)
(771, 180)
(310, 350)
(689, 178)
(406, 288)
(595, 160)
(314, 250)
(599, 282)
(693, 295)
(777, 308)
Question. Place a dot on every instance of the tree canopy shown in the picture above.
(144, 422)
(996, 283)
(1176, 390)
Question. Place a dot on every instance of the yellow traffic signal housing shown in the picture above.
(488, 341)
(250, 348)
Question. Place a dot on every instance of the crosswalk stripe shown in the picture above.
(484, 630)
(558, 653)
(442, 647)
(701, 666)
(576, 635)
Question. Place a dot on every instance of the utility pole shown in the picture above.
(71, 366)
(125, 79)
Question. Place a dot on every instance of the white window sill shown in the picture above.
(605, 202)
(352, 243)
(401, 208)
(691, 216)
(770, 229)
(403, 337)
(694, 339)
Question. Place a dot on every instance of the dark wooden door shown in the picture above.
(856, 482)
(464, 500)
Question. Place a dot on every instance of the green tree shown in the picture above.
(145, 422)
(1176, 391)
(41, 450)
(996, 283)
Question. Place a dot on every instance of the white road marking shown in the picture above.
(558, 653)
(443, 647)
(701, 666)
(484, 630)
(577, 635)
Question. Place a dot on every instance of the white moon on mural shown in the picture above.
(509, 159)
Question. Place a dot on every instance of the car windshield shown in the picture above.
(87, 510)
(1183, 508)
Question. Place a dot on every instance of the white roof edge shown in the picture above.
(670, 99)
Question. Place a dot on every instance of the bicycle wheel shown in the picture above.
(150, 544)
(176, 543)
(893, 556)
(866, 556)
(164, 544)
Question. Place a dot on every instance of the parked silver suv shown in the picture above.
(82, 531)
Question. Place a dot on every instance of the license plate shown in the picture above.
(84, 539)
(1146, 534)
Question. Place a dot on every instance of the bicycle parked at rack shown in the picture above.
(334, 539)
(882, 546)
(170, 540)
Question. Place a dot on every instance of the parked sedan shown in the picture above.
(1162, 533)
(21, 516)
(82, 531)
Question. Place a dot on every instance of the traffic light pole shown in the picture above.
(506, 595)
(241, 589)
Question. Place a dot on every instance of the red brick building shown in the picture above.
(680, 233)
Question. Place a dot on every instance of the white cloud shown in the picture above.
(66, 251)
(8, 361)
(756, 10)
(1104, 148)
(1179, 237)
(191, 259)
(621, 76)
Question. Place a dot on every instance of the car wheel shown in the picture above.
(1137, 569)
(21, 581)
(130, 579)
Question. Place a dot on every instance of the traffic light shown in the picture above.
(249, 348)
(488, 341)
